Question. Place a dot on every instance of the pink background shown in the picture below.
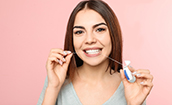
(30, 28)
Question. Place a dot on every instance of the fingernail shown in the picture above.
(120, 70)
(138, 74)
(130, 66)
(64, 52)
(60, 62)
(141, 82)
(69, 52)
(134, 72)
(64, 59)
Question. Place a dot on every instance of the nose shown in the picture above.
(90, 39)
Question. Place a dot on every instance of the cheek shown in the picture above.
(108, 43)
(105, 40)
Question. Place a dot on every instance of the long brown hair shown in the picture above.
(114, 29)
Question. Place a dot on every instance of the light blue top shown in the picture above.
(68, 96)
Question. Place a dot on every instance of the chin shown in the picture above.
(95, 62)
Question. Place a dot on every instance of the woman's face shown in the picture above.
(91, 37)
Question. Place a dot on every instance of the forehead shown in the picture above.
(88, 17)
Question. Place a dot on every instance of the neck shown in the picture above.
(94, 73)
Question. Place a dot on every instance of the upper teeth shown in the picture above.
(92, 51)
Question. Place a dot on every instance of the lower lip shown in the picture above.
(92, 55)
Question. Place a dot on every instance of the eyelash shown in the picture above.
(98, 30)
(79, 32)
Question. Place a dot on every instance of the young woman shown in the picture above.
(82, 73)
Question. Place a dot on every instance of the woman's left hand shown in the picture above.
(136, 93)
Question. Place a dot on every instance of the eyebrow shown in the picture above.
(96, 25)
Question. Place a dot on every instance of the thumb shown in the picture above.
(131, 68)
(124, 79)
(68, 59)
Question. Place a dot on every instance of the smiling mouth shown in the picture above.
(92, 51)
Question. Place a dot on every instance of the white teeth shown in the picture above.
(92, 51)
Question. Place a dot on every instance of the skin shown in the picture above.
(91, 37)
(91, 76)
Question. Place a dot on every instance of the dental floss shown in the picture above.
(127, 72)
(109, 58)
(114, 60)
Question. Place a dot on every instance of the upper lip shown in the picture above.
(92, 48)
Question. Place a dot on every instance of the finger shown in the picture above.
(68, 52)
(60, 62)
(143, 71)
(123, 76)
(146, 76)
(59, 51)
(68, 59)
(146, 83)
(58, 56)
(51, 59)
(131, 68)
(59, 59)
(149, 86)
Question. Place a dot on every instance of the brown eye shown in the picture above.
(79, 32)
(100, 29)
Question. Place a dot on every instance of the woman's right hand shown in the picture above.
(57, 67)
